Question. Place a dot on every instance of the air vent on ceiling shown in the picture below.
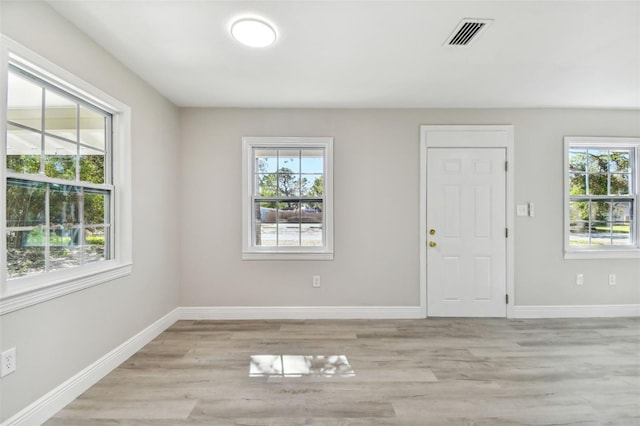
(467, 31)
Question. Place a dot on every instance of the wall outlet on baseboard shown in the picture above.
(7, 362)
(612, 279)
(316, 281)
(579, 279)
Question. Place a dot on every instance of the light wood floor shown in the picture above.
(407, 372)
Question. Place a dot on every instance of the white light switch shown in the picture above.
(522, 210)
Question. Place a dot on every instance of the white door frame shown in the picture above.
(487, 136)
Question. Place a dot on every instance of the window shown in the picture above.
(66, 199)
(601, 212)
(59, 190)
(287, 204)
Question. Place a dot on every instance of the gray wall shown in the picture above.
(58, 338)
(376, 156)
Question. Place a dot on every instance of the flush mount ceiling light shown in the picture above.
(253, 32)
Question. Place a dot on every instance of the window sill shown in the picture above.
(280, 255)
(34, 292)
(602, 254)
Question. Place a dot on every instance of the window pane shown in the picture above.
(622, 211)
(311, 211)
(265, 229)
(60, 159)
(288, 212)
(577, 160)
(64, 219)
(23, 150)
(579, 233)
(266, 160)
(578, 211)
(25, 203)
(620, 161)
(311, 224)
(289, 160)
(266, 185)
(577, 184)
(25, 253)
(312, 185)
(92, 128)
(598, 160)
(288, 184)
(600, 210)
(24, 102)
(620, 184)
(60, 116)
(96, 207)
(598, 184)
(65, 249)
(622, 233)
(91, 165)
(601, 233)
(96, 244)
(289, 224)
(312, 161)
(64, 208)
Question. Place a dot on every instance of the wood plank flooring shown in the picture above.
(407, 372)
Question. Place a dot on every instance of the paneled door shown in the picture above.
(466, 226)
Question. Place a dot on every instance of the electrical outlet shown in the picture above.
(316, 281)
(579, 279)
(7, 362)
(612, 279)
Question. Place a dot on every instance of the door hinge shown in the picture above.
(506, 299)
(506, 232)
(506, 166)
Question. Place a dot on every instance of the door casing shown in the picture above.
(476, 136)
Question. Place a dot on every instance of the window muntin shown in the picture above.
(58, 179)
(602, 194)
(289, 204)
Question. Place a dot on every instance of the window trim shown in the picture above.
(613, 252)
(250, 251)
(23, 292)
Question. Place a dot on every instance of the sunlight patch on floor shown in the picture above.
(300, 365)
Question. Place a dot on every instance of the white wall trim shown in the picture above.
(43, 408)
(299, 312)
(101, 274)
(575, 311)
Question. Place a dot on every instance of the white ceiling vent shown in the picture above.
(467, 31)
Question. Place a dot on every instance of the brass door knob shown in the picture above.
(432, 243)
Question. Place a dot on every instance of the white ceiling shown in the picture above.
(376, 53)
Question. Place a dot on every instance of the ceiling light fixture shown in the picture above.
(253, 32)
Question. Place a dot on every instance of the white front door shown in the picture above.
(466, 225)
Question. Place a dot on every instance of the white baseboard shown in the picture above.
(45, 407)
(299, 312)
(575, 311)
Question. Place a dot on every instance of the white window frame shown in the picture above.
(22, 292)
(249, 250)
(602, 252)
